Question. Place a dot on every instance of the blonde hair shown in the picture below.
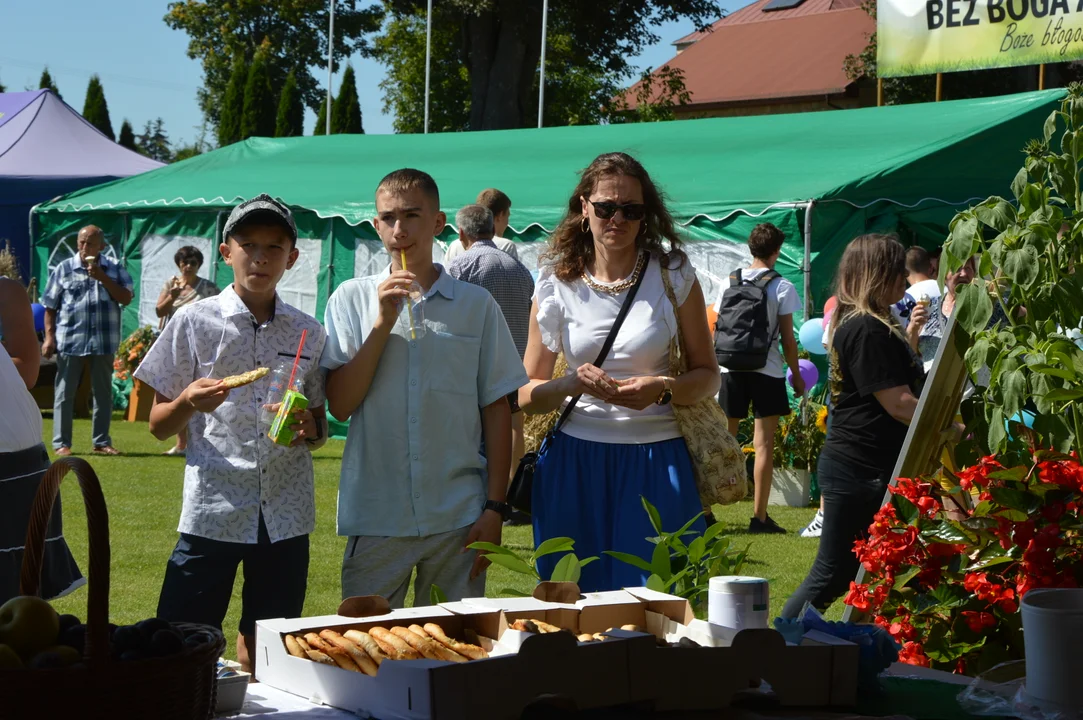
(869, 265)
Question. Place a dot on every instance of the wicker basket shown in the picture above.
(177, 687)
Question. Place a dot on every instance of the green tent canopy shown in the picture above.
(823, 178)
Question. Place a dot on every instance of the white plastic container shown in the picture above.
(738, 602)
(1052, 638)
(232, 689)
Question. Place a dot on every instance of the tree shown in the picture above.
(154, 142)
(46, 83)
(291, 112)
(229, 119)
(259, 100)
(95, 109)
(127, 136)
(198, 147)
(219, 30)
(2, 88)
(656, 95)
(321, 118)
(346, 110)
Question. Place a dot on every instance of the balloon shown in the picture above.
(809, 373)
(829, 308)
(812, 336)
(712, 318)
(39, 317)
(1025, 417)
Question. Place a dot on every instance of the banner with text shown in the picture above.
(921, 37)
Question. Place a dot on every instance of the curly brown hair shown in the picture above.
(571, 248)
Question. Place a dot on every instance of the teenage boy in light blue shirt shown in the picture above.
(414, 490)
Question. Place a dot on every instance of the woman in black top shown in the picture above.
(875, 381)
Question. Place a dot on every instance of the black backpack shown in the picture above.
(743, 333)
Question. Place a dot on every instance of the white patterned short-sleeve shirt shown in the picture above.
(233, 469)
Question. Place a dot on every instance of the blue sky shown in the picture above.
(143, 64)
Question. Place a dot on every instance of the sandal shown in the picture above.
(62, 451)
(176, 451)
(105, 450)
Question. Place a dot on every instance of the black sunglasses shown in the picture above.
(630, 211)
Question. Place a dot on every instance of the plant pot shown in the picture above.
(1052, 633)
(140, 402)
(790, 487)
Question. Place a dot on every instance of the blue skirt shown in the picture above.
(590, 491)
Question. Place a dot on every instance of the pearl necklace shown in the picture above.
(621, 286)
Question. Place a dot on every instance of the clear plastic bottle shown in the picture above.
(280, 375)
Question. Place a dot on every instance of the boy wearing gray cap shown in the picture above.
(246, 499)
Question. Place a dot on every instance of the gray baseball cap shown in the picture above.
(266, 208)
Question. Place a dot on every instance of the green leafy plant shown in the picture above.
(568, 568)
(684, 569)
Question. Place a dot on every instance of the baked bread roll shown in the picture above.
(337, 654)
(312, 653)
(427, 646)
(294, 648)
(366, 643)
(538, 626)
(359, 656)
(393, 646)
(585, 637)
(437, 633)
(235, 381)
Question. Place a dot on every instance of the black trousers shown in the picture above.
(852, 496)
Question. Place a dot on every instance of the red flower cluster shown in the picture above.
(1067, 473)
(978, 621)
(919, 493)
(990, 592)
(913, 653)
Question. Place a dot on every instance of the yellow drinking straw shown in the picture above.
(409, 306)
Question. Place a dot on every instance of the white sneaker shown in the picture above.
(815, 527)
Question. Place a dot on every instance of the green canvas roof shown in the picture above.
(949, 152)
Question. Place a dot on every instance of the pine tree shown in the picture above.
(229, 118)
(46, 83)
(127, 136)
(96, 109)
(258, 118)
(154, 142)
(321, 117)
(346, 111)
(291, 112)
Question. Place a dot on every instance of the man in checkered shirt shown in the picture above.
(82, 325)
(510, 284)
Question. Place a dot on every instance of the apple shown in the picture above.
(9, 658)
(28, 624)
(56, 656)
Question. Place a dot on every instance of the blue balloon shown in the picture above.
(811, 335)
(39, 317)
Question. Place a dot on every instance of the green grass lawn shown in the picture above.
(143, 492)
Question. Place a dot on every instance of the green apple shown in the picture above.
(9, 659)
(28, 624)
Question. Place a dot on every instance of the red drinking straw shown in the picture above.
(297, 359)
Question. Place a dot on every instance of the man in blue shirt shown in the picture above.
(421, 394)
(82, 324)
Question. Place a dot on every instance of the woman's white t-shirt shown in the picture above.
(782, 299)
(20, 420)
(576, 319)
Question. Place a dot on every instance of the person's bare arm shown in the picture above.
(496, 430)
(118, 292)
(899, 402)
(789, 351)
(20, 340)
(165, 303)
(48, 347)
(170, 416)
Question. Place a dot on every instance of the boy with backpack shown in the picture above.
(755, 310)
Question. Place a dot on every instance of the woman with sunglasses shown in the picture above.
(875, 381)
(621, 441)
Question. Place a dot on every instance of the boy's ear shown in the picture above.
(441, 223)
(224, 250)
(294, 254)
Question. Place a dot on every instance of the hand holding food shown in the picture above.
(206, 394)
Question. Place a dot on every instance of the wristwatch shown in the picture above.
(500, 507)
(666, 395)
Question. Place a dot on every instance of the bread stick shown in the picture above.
(359, 656)
(313, 654)
(340, 656)
(393, 646)
(366, 643)
(420, 631)
(294, 648)
(427, 646)
(437, 633)
(546, 627)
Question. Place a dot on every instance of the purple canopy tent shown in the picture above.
(47, 149)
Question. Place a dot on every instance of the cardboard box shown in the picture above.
(552, 667)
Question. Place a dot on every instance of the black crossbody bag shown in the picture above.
(522, 485)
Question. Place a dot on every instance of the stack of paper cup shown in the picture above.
(1052, 638)
(738, 602)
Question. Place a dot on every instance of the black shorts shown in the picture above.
(199, 580)
(766, 394)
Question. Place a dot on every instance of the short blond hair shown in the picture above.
(407, 179)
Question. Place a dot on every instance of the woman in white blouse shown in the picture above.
(621, 442)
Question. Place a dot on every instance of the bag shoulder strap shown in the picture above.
(609, 340)
(764, 280)
(735, 278)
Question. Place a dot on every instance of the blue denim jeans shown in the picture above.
(69, 370)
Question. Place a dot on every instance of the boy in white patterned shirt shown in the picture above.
(246, 499)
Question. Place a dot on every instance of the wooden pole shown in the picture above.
(939, 86)
(1041, 76)
(879, 92)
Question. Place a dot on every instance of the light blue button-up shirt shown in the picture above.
(411, 465)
